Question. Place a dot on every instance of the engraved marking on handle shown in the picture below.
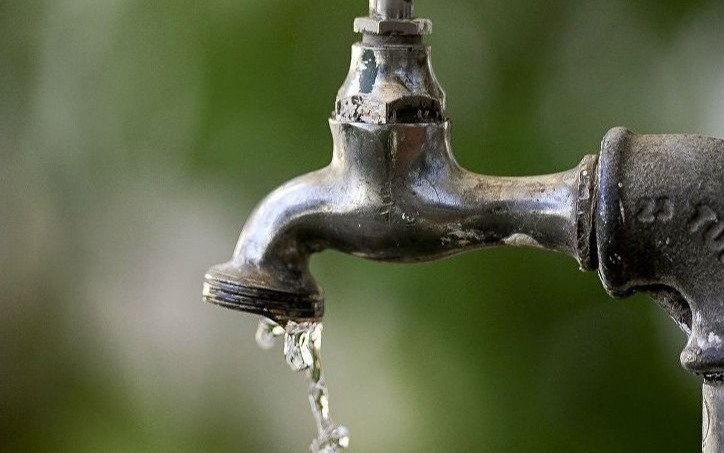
(706, 221)
(655, 209)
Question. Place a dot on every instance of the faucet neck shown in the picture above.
(390, 84)
(390, 78)
(381, 153)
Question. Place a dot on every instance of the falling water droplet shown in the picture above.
(267, 333)
(302, 350)
(300, 343)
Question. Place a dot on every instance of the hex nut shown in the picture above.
(378, 26)
(406, 109)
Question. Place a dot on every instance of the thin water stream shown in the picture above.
(302, 349)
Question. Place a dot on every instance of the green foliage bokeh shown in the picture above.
(135, 137)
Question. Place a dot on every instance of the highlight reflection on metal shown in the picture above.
(393, 192)
(649, 217)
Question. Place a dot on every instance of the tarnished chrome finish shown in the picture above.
(392, 9)
(712, 427)
(392, 17)
(390, 84)
(649, 216)
(393, 193)
(377, 26)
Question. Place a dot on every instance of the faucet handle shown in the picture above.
(660, 229)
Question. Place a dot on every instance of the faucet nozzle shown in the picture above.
(393, 191)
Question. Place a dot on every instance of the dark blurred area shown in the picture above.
(135, 138)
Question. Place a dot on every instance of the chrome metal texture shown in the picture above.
(392, 193)
(378, 26)
(392, 9)
(648, 213)
(392, 17)
(390, 83)
(712, 427)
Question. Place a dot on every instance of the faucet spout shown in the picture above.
(393, 193)
(647, 212)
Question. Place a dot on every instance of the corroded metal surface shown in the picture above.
(648, 213)
(659, 229)
(392, 9)
(392, 17)
(395, 193)
(390, 84)
(712, 427)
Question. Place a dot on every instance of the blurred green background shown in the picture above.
(136, 136)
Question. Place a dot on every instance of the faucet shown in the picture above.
(646, 213)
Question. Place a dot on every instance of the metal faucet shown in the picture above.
(647, 212)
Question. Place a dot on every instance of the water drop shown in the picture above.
(302, 350)
(300, 343)
(267, 333)
(335, 440)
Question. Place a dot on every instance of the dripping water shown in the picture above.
(302, 347)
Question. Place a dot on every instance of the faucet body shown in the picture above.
(647, 213)
(395, 193)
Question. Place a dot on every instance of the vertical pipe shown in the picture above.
(712, 427)
(392, 9)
